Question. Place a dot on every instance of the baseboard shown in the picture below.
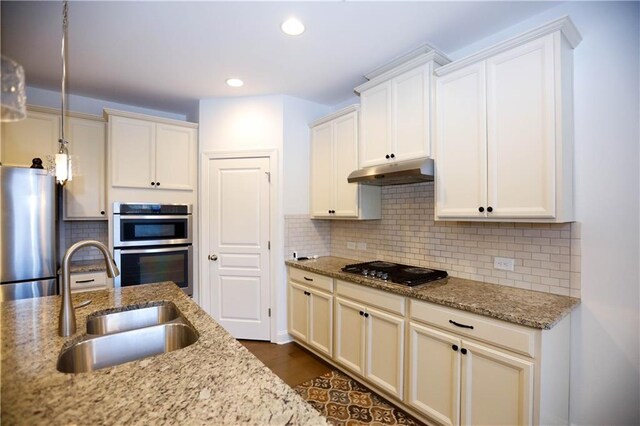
(282, 337)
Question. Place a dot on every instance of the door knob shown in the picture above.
(212, 257)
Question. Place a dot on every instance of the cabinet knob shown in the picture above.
(361, 313)
(387, 156)
(366, 315)
(489, 209)
(480, 209)
(153, 183)
(464, 351)
(157, 183)
(454, 347)
(393, 156)
(102, 212)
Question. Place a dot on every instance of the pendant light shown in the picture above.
(63, 162)
(13, 101)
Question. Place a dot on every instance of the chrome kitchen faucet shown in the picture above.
(67, 320)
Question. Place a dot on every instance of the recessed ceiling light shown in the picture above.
(235, 82)
(292, 27)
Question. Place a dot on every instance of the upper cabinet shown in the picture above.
(38, 135)
(504, 130)
(84, 195)
(334, 155)
(150, 152)
(396, 107)
(35, 136)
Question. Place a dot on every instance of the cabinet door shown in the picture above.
(175, 157)
(298, 311)
(497, 388)
(132, 148)
(521, 131)
(461, 158)
(411, 114)
(375, 125)
(385, 350)
(321, 321)
(350, 344)
(84, 195)
(345, 157)
(35, 136)
(434, 374)
(322, 170)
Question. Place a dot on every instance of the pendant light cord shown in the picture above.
(65, 7)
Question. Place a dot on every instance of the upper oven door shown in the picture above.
(135, 231)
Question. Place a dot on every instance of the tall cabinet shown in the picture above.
(504, 130)
(334, 155)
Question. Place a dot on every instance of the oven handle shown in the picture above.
(156, 217)
(155, 250)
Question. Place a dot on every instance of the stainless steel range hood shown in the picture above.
(400, 173)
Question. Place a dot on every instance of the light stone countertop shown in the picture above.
(525, 307)
(214, 381)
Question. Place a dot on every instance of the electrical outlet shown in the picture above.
(351, 245)
(504, 263)
(362, 246)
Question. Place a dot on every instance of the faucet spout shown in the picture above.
(67, 320)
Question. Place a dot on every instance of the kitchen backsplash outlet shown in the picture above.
(307, 237)
(75, 231)
(546, 256)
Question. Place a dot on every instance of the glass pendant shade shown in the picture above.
(12, 97)
(63, 164)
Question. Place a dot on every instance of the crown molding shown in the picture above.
(135, 115)
(56, 111)
(564, 24)
(334, 115)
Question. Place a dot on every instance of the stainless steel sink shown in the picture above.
(117, 348)
(133, 319)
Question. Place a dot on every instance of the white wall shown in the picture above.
(605, 363)
(48, 98)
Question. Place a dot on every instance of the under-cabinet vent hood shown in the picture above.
(400, 173)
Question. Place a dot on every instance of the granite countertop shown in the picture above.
(83, 266)
(525, 307)
(215, 380)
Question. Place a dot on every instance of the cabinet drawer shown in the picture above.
(311, 279)
(88, 281)
(511, 336)
(372, 297)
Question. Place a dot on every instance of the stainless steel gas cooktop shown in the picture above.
(395, 272)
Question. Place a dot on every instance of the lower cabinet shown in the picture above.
(310, 317)
(370, 342)
(88, 281)
(455, 381)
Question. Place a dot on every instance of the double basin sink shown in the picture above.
(117, 337)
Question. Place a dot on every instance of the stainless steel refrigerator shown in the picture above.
(27, 233)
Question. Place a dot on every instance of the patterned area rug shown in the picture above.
(344, 401)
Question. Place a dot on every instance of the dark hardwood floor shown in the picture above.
(291, 362)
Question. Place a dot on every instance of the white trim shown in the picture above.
(399, 60)
(155, 119)
(277, 243)
(434, 56)
(344, 111)
(282, 337)
(56, 111)
(564, 24)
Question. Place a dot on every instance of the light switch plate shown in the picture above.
(503, 263)
(362, 246)
(351, 245)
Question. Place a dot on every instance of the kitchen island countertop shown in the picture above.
(524, 307)
(215, 380)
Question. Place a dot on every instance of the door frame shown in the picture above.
(275, 253)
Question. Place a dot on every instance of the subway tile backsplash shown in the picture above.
(75, 231)
(546, 256)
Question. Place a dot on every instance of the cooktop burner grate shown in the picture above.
(395, 272)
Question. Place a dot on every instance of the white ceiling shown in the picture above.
(167, 55)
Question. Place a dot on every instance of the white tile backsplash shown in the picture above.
(75, 231)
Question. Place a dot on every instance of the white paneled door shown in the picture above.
(239, 245)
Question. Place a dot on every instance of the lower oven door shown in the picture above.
(152, 265)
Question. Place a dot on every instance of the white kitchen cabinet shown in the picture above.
(88, 281)
(311, 310)
(466, 369)
(396, 111)
(334, 155)
(84, 195)
(150, 152)
(370, 340)
(504, 130)
(35, 136)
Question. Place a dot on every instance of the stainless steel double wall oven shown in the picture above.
(153, 243)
